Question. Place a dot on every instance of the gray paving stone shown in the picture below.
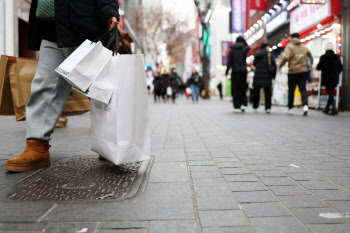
(206, 175)
(175, 226)
(202, 191)
(235, 171)
(231, 159)
(321, 185)
(318, 215)
(243, 178)
(288, 190)
(327, 228)
(305, 177)
(170, 156)
(71, 227)
(230, 164)
(214, 203)
(22, 212)
(202, 163)
(342, 207)
(227, 230)
(272, 209)
(274, 173)
(257, 196)
(169, 172)
(23, 226)
(302, 201)
(277, 225)
(123, 225)
(216, 182)
(222, 218)
(199, 158)
(203, 168)
(279, 181)
(123, 231)
(263, 167)
(247, 186)
(333, 195)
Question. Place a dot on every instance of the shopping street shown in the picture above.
(213, 171)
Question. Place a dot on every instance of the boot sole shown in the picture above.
(27, 167)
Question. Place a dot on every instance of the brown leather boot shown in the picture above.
(35, 155)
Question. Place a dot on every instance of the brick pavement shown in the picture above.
(214, 171)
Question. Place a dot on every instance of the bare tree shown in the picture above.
(153, 25)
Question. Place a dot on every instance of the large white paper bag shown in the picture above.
(83, 66)
(120, 130)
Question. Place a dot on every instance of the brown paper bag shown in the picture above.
(6, 105)
(18, 76)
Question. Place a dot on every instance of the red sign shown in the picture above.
(257, 5)
(313, 1)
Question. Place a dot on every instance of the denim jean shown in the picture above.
(195, 92)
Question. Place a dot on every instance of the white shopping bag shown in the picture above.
(169, 91)
(83, 66)
(120, 130)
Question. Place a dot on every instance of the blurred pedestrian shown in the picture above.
(296, 54)
(157, 87)
(331, 67)
(237, 62)
(194, 82)
(173, 84)
(179, 81)
(56, 33)
(164, 80)
(265, 71)
(219, 86)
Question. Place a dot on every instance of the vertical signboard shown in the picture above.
(238, 16)
(257, 5)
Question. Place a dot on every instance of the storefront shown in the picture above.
(318, 24)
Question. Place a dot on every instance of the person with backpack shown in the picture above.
(265, 71)
(236, 61)
(330, 67)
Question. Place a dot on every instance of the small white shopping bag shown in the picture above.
(120, 130)
(83, 66)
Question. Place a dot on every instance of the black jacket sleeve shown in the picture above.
(320, 63)
(229, 62)
(107, 9)
(340, 64)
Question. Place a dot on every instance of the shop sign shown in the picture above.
(257, 5)
(238, 14)
(225, 49)
(278, 21)
(305, 16)
(255, 37)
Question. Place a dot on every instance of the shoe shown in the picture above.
(62, 122)
(305, 110)
(242, 108)
(255, 110)
(35, 155)
(100, 157)
(268, 110)
(236, 110)
(333, 113)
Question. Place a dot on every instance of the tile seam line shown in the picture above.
(194, 201)
(46, 213)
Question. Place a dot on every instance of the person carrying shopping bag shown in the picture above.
(56, 28)
(265, 71)
(331, 67)
(237, 62)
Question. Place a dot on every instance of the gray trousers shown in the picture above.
(49, 92)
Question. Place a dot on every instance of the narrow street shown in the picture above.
(213, 171)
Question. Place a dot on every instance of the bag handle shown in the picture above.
(114, 40)
(269, 58)
(102, 36)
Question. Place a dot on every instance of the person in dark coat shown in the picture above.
(237, 62)
(173, 84)
(194, 83)
(157, 87)
(265, 71)
(180, 85)
(56, 30)
(331, 67)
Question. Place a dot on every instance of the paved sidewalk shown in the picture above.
(214, 171)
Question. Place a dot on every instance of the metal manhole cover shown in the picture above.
(78, 179)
